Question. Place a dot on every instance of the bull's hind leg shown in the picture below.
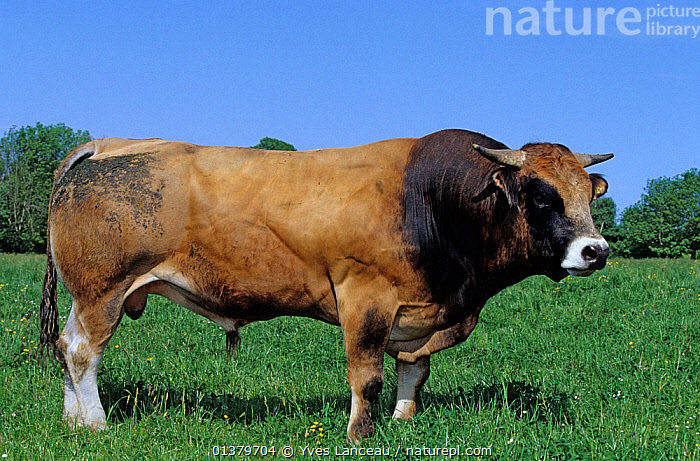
(411, 377)
(82, 343)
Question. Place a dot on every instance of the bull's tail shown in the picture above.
(49, 311)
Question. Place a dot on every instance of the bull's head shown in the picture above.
(554, 194)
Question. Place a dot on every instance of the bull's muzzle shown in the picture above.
(585, 255)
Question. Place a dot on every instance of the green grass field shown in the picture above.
(604, 367)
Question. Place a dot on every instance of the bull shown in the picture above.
(400, 243)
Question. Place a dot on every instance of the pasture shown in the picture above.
(604, 367)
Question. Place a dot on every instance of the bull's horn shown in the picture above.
(507, 157)
(588, 160)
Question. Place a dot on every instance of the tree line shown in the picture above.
(665, 222)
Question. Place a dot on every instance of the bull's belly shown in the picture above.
(233, 302)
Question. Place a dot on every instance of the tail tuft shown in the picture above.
(49, 314)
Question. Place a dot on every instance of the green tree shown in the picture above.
(666, 221)
(273, 144)
(28, 158)
(604, 213)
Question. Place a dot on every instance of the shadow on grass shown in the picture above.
(524, 400)
(123, 401)
(140, 399)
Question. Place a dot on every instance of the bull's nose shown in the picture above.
(595, 255)
(585, 255)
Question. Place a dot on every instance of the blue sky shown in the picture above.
(326, 74)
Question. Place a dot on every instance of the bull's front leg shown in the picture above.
(411, 377)
(366, 380)
(366, 324)
(364, 346)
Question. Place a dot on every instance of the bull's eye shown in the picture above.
(545, 198)
(540, 201)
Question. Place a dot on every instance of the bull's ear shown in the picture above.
(600, 185)
(507, 184)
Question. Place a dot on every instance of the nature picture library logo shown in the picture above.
(661, 19)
